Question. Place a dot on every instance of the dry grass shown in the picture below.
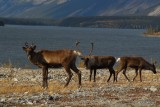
(9, 86)
(27, 87)
(54, 87)
(81, 64)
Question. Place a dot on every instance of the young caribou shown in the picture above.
(137, 63)
(99, 62)
(53, 59)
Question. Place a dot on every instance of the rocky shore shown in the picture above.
(22, 87)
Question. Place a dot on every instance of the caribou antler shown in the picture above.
(26, 44)
(91, 49)
(77, 43)
(32, 45)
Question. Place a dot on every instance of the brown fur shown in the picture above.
(137, 63)
(53, 59)
(99, 62)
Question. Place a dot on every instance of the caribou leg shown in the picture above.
(111, 70)
(90, 76)
(136, 71)
(94, 75)
(78, 72)
(45, 77)
(140, 74)
(69, 75)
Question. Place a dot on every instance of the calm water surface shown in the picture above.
(115, 42)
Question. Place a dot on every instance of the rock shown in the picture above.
(29, 102)
(15, 79)
(3, 99)
(14, 69)
(33, 79)
(9, 99)
(144, 102)
(145, 88)
(54, 97)
(25, 93)
(50, 98)
(153, 89)
(50, 77)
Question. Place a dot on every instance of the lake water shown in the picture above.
(115, 42)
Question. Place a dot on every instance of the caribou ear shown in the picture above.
(155, 62)
(153, 65)
(34, 47)
(82, 58)
(24, 48)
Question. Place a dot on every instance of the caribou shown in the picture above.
(92, 62)
(54, 59)
(137, 63)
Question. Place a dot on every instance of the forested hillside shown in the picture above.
(133, 22)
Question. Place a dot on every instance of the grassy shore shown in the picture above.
(22, 87)
(151, 31)
(157, 34)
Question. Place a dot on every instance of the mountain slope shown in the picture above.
(67, 8)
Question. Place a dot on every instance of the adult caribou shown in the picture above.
(137, 63)
(92, 62)
(53, 59)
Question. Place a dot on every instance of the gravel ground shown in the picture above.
(22, 87)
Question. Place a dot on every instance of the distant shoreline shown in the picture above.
(124, 22)
(157, 34)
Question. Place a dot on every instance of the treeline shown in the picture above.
(1, 23)
(26, 21)
(133, 22)
(153, 31)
